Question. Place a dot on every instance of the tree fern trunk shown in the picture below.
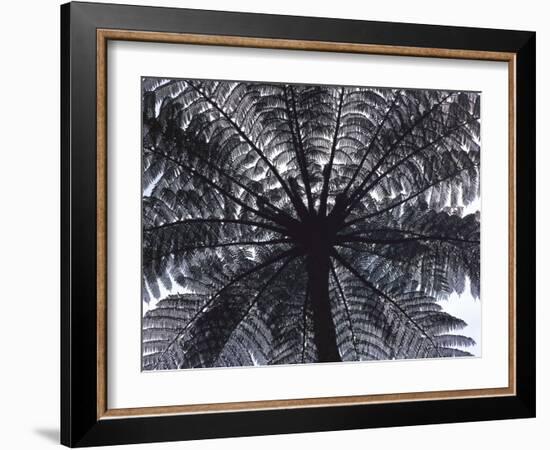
(324, 331)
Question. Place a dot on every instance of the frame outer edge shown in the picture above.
(79, 259)
(65, 370)
(79, 423)
(526, 226)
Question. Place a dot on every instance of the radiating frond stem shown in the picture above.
(292, 252)
(243, 243)
(406, 240)
(300, 208)
(417, 237)
(217, 220)
(410, 197)
(346, 308)
(327, 171)
(386, 297)
(384, 174)
(222, 245)
(231, 178)
(304, 322)
(371, 144)
(294, 126)
(394, 145)
(257, 298)
(215, 185)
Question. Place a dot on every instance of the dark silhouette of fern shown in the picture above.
(305, 223)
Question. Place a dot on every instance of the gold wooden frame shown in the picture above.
(103, 36)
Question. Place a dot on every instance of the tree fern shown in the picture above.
(297, 224)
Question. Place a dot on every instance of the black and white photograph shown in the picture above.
(291, 223)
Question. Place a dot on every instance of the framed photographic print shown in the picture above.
(276, 224)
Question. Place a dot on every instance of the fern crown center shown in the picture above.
(315, 233)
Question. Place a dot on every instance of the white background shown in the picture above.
(29, 332)
(128, 387)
